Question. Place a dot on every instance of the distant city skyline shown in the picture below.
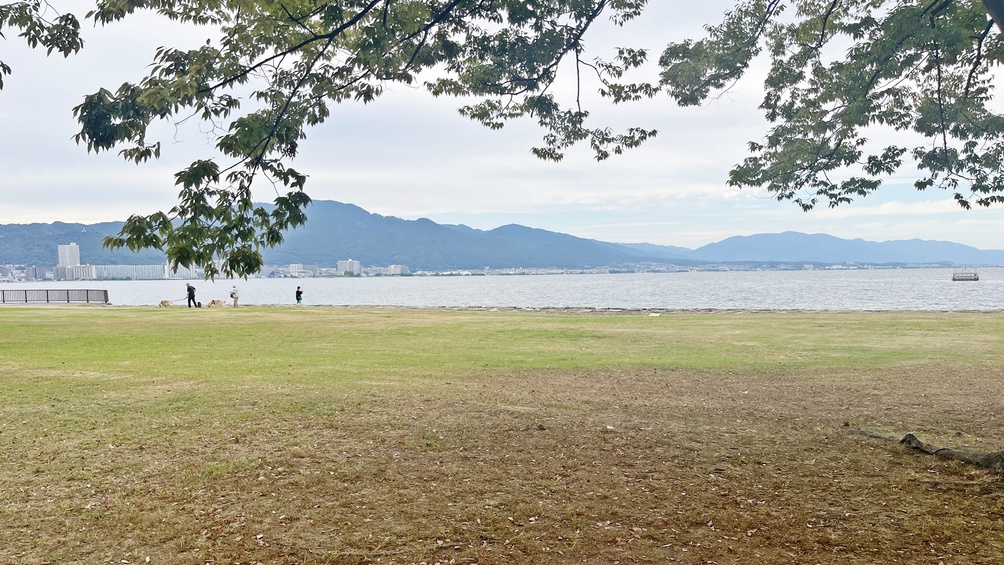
(69, 268)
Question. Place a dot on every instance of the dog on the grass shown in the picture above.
(215, 303)
(164, 303)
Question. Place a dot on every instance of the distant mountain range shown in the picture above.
(337, 231)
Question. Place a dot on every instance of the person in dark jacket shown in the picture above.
(299, 295)
(191, 296)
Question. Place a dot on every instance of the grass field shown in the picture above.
(369, 435)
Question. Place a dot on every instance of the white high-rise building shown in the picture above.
(349, 267)
(69, 255)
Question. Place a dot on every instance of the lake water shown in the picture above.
(876, 289)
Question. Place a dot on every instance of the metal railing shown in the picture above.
(54, 295)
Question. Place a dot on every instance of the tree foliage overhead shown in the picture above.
(278, 66)
(40, 27)
(839, 69)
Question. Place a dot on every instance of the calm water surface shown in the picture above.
(878, 289)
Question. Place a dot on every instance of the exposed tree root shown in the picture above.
(993, 460)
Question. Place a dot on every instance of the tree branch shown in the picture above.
(992, 460)
(979, 56)
(995, 8)
(825, 22)
(293, 49)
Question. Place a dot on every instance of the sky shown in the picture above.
(413, 156)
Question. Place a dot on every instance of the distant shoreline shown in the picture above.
(555, 310)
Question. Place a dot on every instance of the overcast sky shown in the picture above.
(410, 155)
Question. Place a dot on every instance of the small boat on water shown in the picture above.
(965, 275)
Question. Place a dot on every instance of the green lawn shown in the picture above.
(359, 435)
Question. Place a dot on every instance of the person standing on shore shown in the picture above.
(299, 295)
(190, 291)
(234, 294)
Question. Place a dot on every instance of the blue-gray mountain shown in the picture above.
(35, 245)
(794, 247)
(337, 231)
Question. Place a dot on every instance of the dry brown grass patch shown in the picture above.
(639, 466)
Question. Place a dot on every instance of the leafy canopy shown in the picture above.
(40, 27)
(839, 69)
(279, 65)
